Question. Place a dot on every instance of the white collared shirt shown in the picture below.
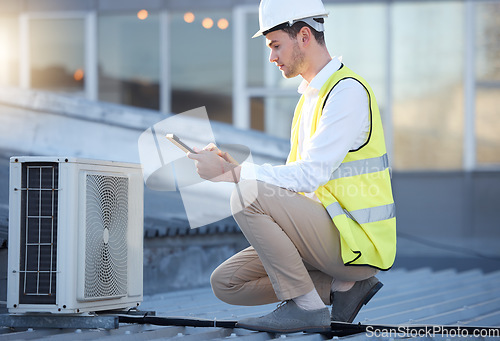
(344, 126)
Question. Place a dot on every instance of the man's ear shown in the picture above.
(304, 36)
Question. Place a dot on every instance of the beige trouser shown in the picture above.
(295, 248)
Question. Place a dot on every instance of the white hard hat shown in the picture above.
(276, 12)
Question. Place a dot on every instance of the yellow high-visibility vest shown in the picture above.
(358, 195)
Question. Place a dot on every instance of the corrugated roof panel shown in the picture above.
(432, 295)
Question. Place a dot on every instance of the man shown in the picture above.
(321, 226)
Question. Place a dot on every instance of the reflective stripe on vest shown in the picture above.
(365, 215)
(358, 167)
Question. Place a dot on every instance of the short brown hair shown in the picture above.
(296, 27)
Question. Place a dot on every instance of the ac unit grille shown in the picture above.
(106, 236)
(38, 258)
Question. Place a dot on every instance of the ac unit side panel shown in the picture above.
(80, 279)
(69, 212)
(14, 235)
(136, 235)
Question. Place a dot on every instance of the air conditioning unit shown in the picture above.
(75, 235)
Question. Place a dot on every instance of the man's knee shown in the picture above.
(219, 280)
(216, 282)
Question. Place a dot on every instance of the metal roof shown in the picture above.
(408, 298)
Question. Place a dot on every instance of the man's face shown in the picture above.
(286, 53)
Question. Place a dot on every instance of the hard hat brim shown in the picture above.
(258, 34)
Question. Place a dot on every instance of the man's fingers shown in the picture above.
(211, 146)
(199, 154)
(229, 158)
(193, 156)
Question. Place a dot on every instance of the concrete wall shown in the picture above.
(441, 204)
(78, 127)
(448, 219)
(181, 262)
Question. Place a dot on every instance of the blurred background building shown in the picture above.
(434, 66)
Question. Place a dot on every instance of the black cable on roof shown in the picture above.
(337, 328)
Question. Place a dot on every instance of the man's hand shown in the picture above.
(211, 164)
(225, 155)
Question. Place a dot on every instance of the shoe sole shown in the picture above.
(285, 331)
(366, 299)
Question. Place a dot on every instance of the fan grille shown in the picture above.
(106, 236)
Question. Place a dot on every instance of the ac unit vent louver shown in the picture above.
(106, 242)
(38, 256)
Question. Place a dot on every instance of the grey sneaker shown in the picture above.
(347, 304)
(289, 318)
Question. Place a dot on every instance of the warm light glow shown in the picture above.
(142, 14)
(78, 75)
(223, 24)
(188, 17)
(207, 23)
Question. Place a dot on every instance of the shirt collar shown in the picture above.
(320, 79)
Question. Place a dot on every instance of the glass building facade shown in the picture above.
(128, 59)
(433, 65)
